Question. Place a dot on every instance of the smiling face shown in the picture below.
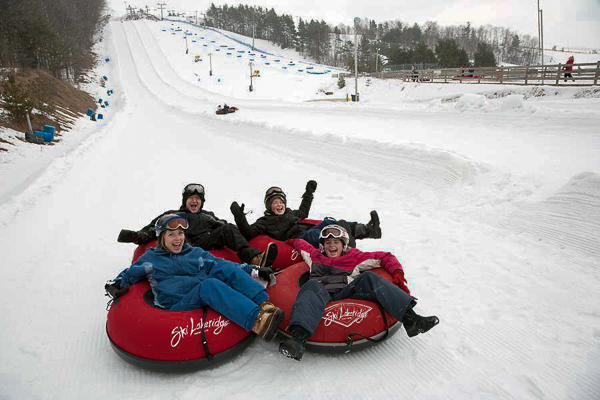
(333, 247)
(278, 206)
(172, 241)
(193, 203)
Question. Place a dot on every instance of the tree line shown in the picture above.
(55, 35)
(393, 42)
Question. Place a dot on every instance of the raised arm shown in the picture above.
(307, 199)
(249, 231)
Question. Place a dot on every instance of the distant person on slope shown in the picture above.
(186, 278)
(205, 230)
(338, 272)
(282, 223)
(569, 68)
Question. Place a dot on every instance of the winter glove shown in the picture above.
(400, 281)
(265, 273)
(236, 209)
(311, 186)
(126, 236)
(114, 289)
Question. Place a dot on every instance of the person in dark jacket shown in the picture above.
(282, 223)
(186, 278)
(205, 230)
(338, 272)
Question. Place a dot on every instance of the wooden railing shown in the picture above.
(583, 74)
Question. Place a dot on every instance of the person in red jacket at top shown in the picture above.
(569, 68)
(339, 272)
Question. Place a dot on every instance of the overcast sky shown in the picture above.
(568, 23)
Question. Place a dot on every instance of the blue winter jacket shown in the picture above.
(172, 276)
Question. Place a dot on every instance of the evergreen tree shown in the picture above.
(341, 83)
(449, 55)
(423, 54)
(484, 57)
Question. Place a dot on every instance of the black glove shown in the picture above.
(126, 236)
(236, 209)
(311, 186)
(265, 273)
(115, 290)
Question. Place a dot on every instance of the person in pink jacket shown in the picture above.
(339, 272)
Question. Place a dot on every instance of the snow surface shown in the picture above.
(489, 195)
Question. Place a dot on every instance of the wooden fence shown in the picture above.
(583, 74)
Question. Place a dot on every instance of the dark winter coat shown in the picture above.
(279, 227)
(336, 273)
(201, 224)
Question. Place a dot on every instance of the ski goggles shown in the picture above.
(332, 231)
(172, 222)
(274, 190)
(193, 188)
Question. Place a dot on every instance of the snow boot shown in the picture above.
(294, 347)
(370, 230)
(267, 257)
(266, 306)
(267, 321)
(374, 228)
(415, 324)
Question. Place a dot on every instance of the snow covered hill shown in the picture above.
(489, 195)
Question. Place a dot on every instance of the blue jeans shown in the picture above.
(312, 299)
(228, 290)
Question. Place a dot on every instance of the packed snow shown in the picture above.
(489, 195)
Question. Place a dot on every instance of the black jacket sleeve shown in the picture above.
(304, 209)
(252, 231)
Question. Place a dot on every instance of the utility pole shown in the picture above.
(253, 28)
(356, 21)
(196, 17)
(250, 76)
(542, 30)
(376, 58)
(210, 57)
(161, 6)
(186, 43)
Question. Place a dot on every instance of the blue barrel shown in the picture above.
(100, 116)
(99, 100)
(105, 77)
(90, 112)
(49, 129)
(48, 136)
(106, 103)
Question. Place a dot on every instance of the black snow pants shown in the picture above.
(312, 299)
(230, 236)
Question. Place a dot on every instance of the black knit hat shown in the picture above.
(271, 194)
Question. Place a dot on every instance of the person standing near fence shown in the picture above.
(569, 68)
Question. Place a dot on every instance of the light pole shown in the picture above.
(210, 58)
(356, 21)
(253, 28)
(251, 77)
(376, 59)
(186, 43)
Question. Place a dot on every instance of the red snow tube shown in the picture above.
(171, 341)
(286, 255)
(345, 323)
(229, 111)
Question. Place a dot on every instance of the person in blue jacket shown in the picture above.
(183, 277)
